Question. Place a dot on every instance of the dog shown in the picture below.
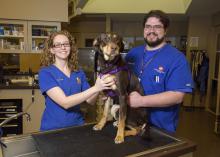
(108, 60)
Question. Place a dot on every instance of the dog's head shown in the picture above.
(109, 45)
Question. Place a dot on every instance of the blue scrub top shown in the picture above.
(167, 70)
(54, 116)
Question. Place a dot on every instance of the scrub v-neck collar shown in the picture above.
(61, 71)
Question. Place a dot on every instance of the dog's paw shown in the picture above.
(97, 127)
(119, 139)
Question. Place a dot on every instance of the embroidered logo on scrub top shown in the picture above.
(160, 69)
(78, 80)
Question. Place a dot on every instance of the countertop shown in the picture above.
(85, 142)
(18, 86)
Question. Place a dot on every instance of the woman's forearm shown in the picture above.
(69, 101)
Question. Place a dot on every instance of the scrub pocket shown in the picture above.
(158, 79)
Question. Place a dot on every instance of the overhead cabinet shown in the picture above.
(17, 36)
(38, 32)
(13, 36)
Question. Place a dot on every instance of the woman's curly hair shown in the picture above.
(47, 58)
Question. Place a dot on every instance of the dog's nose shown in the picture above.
(113, 48)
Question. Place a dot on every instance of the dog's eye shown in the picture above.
(113, 48)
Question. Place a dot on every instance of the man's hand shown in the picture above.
(135, 100)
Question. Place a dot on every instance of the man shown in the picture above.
(163, 72)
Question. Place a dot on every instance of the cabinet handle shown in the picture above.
(8, 125)
(8, 106)
(6, 118)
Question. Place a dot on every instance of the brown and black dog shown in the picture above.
(108, 60)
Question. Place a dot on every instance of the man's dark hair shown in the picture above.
(164, 19)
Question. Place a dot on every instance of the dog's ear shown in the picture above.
(96, 42)
(96, 61)
(117, 39)
(100, 41)
(121, 49)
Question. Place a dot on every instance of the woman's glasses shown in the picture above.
(59, 45)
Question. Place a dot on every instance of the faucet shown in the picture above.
(10, 119)
(15, 116)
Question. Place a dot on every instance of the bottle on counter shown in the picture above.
(30, 80)
(30, 77)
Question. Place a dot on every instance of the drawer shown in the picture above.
(14, 121)
(7, 114)
(8, 109)
(11, 130)
(8, 103)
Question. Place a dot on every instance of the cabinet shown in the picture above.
(38, 32)
(8, 108)
(17, 36)
(213, 99)
(35, 109)
(13, 36)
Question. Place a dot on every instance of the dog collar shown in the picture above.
(114, 71)
(110, 92)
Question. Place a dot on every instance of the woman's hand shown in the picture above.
(105, 82)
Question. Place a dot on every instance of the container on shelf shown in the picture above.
(1, 30)
(1, 43)
(6, 32)
(21, 45)
(15, 33)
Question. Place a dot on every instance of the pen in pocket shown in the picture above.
(157, 79)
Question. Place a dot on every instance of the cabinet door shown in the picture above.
(38, 33)
(213, 99)
(217, 119)
(13, 36)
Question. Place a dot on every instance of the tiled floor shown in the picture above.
(198, 126)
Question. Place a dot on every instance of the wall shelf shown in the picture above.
(20, 36)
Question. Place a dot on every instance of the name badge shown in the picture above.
(78, 80)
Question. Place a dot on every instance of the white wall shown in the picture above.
(216, 19)
(200, 27)
(42, 10)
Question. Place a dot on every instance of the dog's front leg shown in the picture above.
(121, 121)
(103, 120)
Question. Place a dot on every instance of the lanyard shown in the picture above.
(145, 65)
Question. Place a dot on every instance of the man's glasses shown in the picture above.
(154, 27)
(59, 45)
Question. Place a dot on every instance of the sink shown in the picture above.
(22, 146)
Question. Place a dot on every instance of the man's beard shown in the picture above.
(154, 43)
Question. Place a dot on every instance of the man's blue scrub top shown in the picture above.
(168, 70)
(54, 115)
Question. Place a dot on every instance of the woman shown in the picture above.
(63, 85)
